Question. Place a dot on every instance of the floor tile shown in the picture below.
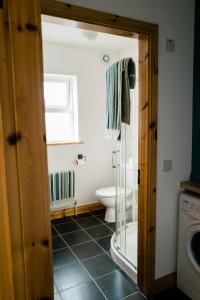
(53, 232)
(82, 216)
(116, 285)
(87, 250)
(76, 237)
(100, 265)
(67, 227)
(70, 276)
(61, 220)
(99, 212)
(57, 297)
(57, 243)
(104, 242)
(99, 231)
(102, 218)
(63, 257)
(136, 296)
(87, 291)
(112, 226)
(89, 222)
(55, 289)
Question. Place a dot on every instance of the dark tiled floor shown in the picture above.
(63, 257)
(99, 231)
(104, 243)
(89, 222)
(100, 265)
(76, 237)
(70, 276)
(58, 243)
(86, 291)
(116, 285)
(83, 267)
(67, 227)
(87, 250)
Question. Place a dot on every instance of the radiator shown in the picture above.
(61, 185)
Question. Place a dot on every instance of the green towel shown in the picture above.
(120, 78)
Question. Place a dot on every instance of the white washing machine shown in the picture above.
(188, 268)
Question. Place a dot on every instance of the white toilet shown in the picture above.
(107, 196)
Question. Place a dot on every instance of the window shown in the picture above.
(61, 108)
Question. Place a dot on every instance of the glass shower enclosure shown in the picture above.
(125, 238)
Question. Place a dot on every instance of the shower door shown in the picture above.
(127, 188)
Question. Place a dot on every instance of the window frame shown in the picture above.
(73, 111)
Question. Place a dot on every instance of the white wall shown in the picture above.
(86, 64)
(175, 19)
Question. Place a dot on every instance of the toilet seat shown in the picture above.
(110, 192)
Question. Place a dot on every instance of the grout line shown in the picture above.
(56, 250)
(84, 268)
(80, 261)
(66, 232)
(87, 240)
(110, 235)
(79, 243)
(75, 221)
(86, 228)
(129, 295)
(105, 274)
(93, 239)
(93, 226)
(85, 259)
(61, 298)
(103, 223)
(65, 265)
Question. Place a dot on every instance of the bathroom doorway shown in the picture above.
(32, 133)
(75, 72)
(142, 225)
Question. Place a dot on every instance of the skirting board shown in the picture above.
(77, 210)
(165, 283)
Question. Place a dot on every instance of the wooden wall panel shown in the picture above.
(25, 147)
(143, 158)
(10, 159)
(6, 275)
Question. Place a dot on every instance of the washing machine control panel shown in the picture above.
(191, 208)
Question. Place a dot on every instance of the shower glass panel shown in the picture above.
(126, 186)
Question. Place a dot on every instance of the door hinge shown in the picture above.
(138, 176)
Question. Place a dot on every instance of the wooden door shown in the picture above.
(24, 146)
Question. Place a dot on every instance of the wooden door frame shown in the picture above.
(25, 198)
(148, 43)
(21, 93)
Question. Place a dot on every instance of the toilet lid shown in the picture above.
(110, 192)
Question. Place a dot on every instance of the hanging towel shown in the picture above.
(120, 78)
(127, 83)
(61, 185)
(113, 104)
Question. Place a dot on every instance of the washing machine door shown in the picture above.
(192, 242)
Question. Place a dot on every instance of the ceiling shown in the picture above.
(61, 33)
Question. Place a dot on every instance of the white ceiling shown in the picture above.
(61, 33)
